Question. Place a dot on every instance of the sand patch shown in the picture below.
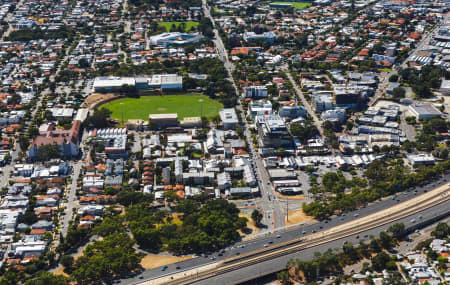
(297, 216)
(151, 261)
(253, 229)
(60, 271)
(96, 99)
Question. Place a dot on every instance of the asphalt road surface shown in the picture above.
(292, 233)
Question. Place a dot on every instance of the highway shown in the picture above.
(289, 234)
(421, 208)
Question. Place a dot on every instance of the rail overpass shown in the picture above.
(431, 205)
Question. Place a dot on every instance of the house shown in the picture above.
(42, 224)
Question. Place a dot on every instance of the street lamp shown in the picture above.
(121, 105)
(201, 107)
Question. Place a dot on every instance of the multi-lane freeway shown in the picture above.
(279, 247)
(293, 233)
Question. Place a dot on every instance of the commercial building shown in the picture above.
(269, 37)
(111, 84)
(229, 118)
(424, 111)
(420, 159)
(164, 120)
(176, 38)
(259, 107)
(292, 112)
(272, 131)
(114, 139)
(156, 81)
(255, 92)
(445, 87)
(191, 122)
(165, 82)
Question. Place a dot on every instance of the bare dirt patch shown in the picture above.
(297, 216)
(96, 99)
(151, 261)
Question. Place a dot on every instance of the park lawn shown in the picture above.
(168, 25)
(296, 5)
(188, 105)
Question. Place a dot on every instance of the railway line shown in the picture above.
(408, 208)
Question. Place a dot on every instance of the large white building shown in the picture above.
(176, 38)
(166, 81)
(156, 81)
(424, 111)
(108, 84)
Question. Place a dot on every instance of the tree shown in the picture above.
(67, 262)
(381, 261)
(397, 229)
(385, 240)
(104, 259)
(442, 231)
(49, 151)
(216, 120)
(257, 217)
(283, 276)
(304, 131)
(398, 93)
(99, 119)
(47, 278)
(393, 78)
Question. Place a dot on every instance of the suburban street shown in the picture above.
(270, 207)
(309, 109)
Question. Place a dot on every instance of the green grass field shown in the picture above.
(296, 5)
(189, 105)
(168, 25)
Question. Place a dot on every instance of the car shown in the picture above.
(237, 253)
(413, 220)
(357, 236)
(141, 277)
(321, 227)
(355, 215)
(304, 232)
(265, 245)
(164, 268)
(270, 242)
(278, 236)
(313, 231)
